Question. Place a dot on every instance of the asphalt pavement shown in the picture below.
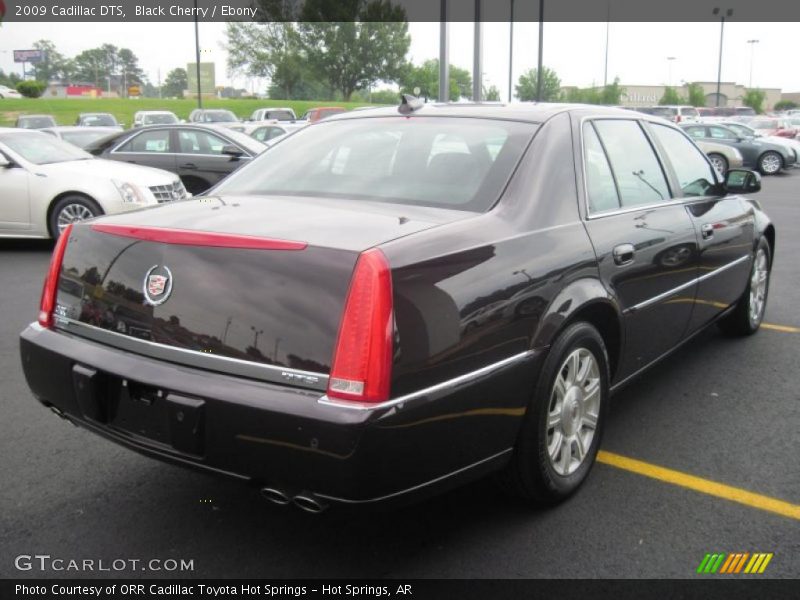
(724, 410)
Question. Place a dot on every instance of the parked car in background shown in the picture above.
(201, 155)
(317, 114)
(47, 184)
(774, 126)
(270, 131)
(767, 157)
(154, 117)
(10, 93)
(98, 120)
(216, 116)
(746, 131)
(722, 156)
(278, 114)
(80, 136)
(709, 114)
(35, 121)
(599, 240)
(673, 113)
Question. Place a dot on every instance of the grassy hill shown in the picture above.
(66, 111)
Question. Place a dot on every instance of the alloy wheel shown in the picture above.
(758, 287)
(771, 163)
(72, 213)
(573, 411)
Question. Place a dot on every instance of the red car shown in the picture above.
(317, 114)
(778, 127)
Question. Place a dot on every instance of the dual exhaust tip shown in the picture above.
(304, 500)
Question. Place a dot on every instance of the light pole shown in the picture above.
(511, 51)
(728, 13)
(197, 55)
(608, 28)
(669, 63)
(541, 47)
(752, 49)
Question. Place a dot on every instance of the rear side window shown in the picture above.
(640, 179)
(149, 141)
(721, 133)
(696, 132)
(694, 174)
(600, 186)
(689, 112)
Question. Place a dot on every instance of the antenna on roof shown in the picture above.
(409, 104)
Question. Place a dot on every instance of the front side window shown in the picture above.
(696, 132)
(600, 186)
(695, 175)
(444, 162)
(722, 133)
(149, 141)
(639, 177)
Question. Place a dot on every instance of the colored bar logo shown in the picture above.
(735, 563)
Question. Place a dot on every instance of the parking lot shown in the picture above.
(722, 410)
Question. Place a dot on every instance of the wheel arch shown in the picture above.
(585, 300)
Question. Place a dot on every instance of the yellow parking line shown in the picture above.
(783, 328)
(698, 484)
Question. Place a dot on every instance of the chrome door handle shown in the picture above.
(623, 254)
(707, 231)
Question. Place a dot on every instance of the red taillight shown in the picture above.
(48, 301)
(188, 237)
(362, 360)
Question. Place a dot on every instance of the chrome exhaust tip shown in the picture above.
(309, 503)
(275, 496)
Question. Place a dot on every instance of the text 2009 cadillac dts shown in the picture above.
(389, 303)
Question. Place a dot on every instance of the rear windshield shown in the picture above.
(659, 111)
(160, 119)
(280, 115)
(427, 161)
(218, 116)
(35, 122)
(689, 112)
(83, 138)
(98, 120)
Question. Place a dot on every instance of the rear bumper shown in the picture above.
(281, 436)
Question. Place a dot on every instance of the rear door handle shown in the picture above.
(189, 166)
(707, 231)
(623, 254)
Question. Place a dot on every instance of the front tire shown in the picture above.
(770, 163)
(746, 318)
(563, 425)
(73, 208)
(720, 163)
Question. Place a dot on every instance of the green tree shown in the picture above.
(696, 94)
(492, 94)
(129, 70)
(426, 78)
(54, 66)
(9, 79)
(671, 96)
(96, 65)
(526, 87)
(385, 97)
(786, 105)
(611, 93)
(175, 83)
(754, 98)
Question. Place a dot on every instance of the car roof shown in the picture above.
(79, 128)
(91, 114)
(37, 115)
(4, 130)
(518, 111)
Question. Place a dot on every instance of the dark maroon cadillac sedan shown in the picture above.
(395, 301)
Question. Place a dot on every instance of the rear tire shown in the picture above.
(563, 425)
(71, 209)
(770, 163)
(746, 318)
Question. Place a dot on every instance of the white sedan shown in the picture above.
(46, 184)
(7, 92)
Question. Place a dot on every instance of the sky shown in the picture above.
(637, 52)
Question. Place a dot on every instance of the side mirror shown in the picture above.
(232, 150)
(742, 181)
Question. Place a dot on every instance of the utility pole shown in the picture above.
(669, 63)
(728, 13)
(477, 56)
(541, 47)
(197, 55)
(752, 56)
(444, 53)
(511, 53)
(608, 27)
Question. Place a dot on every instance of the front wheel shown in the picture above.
(71, 209)
(770, 163)
(749, 312)
(563, 425)
(720, 163)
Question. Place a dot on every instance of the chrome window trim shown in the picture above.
(195, 358)
(688, 284)
(445, 385)
(137, 134)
